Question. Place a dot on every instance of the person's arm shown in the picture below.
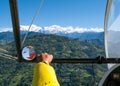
(44, 75)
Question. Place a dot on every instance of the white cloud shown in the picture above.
(56, 29)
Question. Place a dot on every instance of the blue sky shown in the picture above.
(76, 13)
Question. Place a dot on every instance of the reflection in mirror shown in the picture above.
(28, 53)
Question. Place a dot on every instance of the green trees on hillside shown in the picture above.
(13, 73)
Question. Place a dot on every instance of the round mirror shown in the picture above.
(28, 53)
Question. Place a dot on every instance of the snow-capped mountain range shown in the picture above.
(69, 31)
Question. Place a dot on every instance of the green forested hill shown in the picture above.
(13, 73)
(62, 47)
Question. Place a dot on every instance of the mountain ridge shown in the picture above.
(54, 29)
(69, 31)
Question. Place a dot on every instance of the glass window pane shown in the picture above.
(113, 30)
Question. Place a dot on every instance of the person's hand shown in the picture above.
(45, 57)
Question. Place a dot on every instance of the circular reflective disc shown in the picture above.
(28, 53)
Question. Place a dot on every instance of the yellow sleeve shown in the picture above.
(44, 75)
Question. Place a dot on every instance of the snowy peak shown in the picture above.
(33, 28)
(6, 30)
(54, 29)
(68, 31)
